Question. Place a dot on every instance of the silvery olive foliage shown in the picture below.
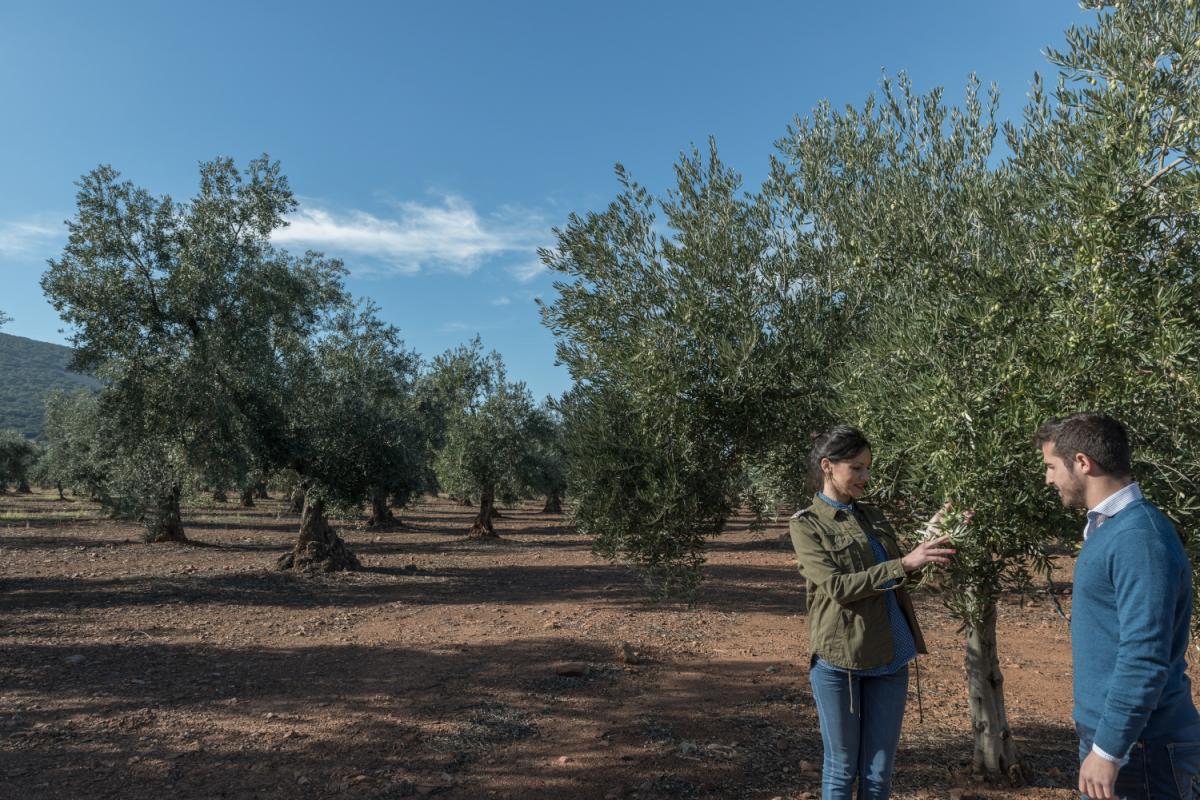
(491, 432)
(899, 272)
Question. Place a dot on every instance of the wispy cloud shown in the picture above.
(502, 300)
(527, 270)
(35, 236)
(449, 236)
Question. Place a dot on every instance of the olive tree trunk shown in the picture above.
(298, 501)
(995, 751)
(260, 491)
(553, 504)
(163, 520)
(247, 497)
(483, 529)
(318, 548)
(381, 513)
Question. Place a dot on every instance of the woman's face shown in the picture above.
(847, 480)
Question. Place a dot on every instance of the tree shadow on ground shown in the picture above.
(742, 589)
(456, 721)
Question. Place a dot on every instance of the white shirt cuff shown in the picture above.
(1096, 749)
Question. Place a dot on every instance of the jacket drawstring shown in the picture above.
(920, 709)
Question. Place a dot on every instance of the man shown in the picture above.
(1139, 733)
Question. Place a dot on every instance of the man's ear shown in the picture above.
(1084, 464)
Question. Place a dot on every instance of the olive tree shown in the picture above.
(941, 297)
(673, 316)
(75, 456)
(348, 434)
(548, 468)
(487, 449)
(180, 309)
(1110, 155)
(924, 246)
(17, 457)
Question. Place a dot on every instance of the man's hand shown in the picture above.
(1097, 777)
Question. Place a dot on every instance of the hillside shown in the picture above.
(30, 369)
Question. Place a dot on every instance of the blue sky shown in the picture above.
(433, 146)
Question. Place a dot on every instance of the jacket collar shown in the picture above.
(825, 511)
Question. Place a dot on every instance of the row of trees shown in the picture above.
(898, 272)
(895, 270)
(226, 361)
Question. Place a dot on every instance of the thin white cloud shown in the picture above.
(33, 236)
(502, 300)
(451, 236)
(453, 327)
(527, 270)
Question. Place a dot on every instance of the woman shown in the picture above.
(863, 629)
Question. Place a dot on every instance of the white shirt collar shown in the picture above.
(1110, 506)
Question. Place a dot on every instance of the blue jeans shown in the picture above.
(1158, 770)
(861, 742)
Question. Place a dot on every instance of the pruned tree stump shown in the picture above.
(312, 557)
(482, 530)
(319, 548)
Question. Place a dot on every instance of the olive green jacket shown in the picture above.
(847, 611)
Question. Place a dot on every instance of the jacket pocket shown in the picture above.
(844, 550)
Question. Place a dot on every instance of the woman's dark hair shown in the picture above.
(839, 443)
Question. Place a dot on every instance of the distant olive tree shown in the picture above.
(344, 435)
(75, 456)
(548, 467)
(180, 308)
(487, 450)
(17, 457)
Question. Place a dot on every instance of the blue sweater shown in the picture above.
(1129, 631)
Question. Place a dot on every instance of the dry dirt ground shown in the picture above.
(133, 670)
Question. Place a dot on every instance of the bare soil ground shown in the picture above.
(138, 671)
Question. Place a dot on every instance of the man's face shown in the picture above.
(1062, 476)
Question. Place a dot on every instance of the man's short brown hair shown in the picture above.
(1098, 436)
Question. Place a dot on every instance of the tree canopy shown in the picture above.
(895, 272)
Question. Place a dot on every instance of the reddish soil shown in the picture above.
(138, 671)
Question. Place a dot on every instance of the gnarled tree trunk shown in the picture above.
(483, 529)
(381, 513)
(553, 504)
(220, 496)
(23, 487)
(163, 521)
(298, 501)
(319, 548)
(248, 497)
(260, 491)
(995, 751)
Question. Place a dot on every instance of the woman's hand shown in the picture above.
(933, 528)
(932, 551)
